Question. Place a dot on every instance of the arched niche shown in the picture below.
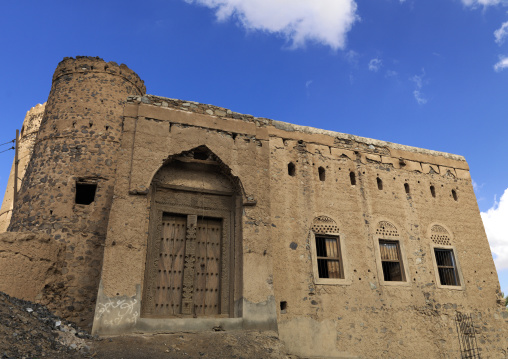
(194, 251)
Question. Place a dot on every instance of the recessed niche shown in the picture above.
(291, 169)
(322, 174)
(352, 178)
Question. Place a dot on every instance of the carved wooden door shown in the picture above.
(206, 297)
(168, 289)
(188, 276)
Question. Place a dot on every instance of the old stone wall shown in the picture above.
(365, 316)
(78, 142)
(291, 184)
(27, 137)
(151, 136)
(30, 264)
(359, 316)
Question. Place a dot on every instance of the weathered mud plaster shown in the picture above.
(204, 217)
(121, 315)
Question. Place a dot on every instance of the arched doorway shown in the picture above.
(191, 267)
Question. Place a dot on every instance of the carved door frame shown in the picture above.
(165, 199)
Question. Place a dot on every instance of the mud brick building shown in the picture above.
(170, 215)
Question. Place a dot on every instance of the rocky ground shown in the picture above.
(29, 330)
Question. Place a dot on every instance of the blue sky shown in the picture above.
(425, 73)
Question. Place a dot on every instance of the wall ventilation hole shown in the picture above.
(454, 194)
(379, 183)
(85, 192)
(352, 178)
(90, 124)
(283, 307)
(406, 187)
(50, 212)
(322, 174)
(107, 128)
(291, 169)
(198, 155)
(433, 191)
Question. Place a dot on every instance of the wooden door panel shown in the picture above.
(170, 272)
(207, 289)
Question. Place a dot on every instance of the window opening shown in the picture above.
(85, 192)
(393, 270)
(322, 175)
(328, 257)
(454, 194)
(406, 187)
(291, 169)
(446, 266)
(352, 178)
(433, 191)
(379, 183)
(283, 307)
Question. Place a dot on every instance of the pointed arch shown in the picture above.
(194, 245)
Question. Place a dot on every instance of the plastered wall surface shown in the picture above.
(27, 138)
(29, 262)
(288, 185)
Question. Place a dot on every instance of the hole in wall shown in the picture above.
(106, 127)
(291, 169)
(322, 174)
(406, 187)
(85, 192)
(433, 191)
(90, 124)
(198, 155)
(454, 195)
(379, 183)
(352, 178)
(283, 307)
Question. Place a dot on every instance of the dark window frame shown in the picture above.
(325, 259)
(447, 273)
(388, 265)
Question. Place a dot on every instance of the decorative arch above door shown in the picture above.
(194, 248)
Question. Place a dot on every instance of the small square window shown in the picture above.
(85, 192)
(329, 261)
(446, 267)
(391, 261)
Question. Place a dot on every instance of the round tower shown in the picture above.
(68, 186)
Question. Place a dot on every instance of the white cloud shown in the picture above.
(375, 64)
(299, 21)
(391, 73)
(501, 64)
(417, 93)
(501, 33)
(484, 3)
(308, 83)
(352, 57)
(496, 227)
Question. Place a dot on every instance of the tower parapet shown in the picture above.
(68, 186)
